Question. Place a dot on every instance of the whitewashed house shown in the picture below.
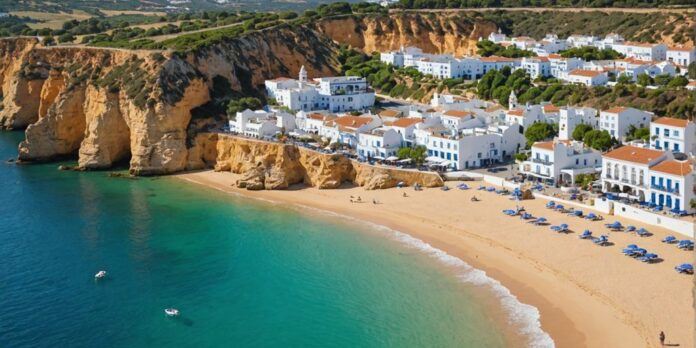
(560, 67)
(536, 66)
(336, 94)
(571, 117)
(642, 51)
(582, 40)
(526, 116)
(398, 58)
(618, 120)
(560, 161)
(673, 134)
(649, 175)
(345, 129)
(405, 127)
(379, 142)
(497, 37)
(681, 56)
(588, 78)
(459, 119)
(261, 124)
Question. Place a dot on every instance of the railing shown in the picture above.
(664, 188)
(541, 161)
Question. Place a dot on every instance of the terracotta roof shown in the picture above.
(546, 145)
(674, 122)
(353, 121)
(493, 108)
(516, 112)
(691, 83)
(615, 110)
(457, 113)
(634, 154)
(639, 44)
(316, 116)
(496, 59)
(549, 145)
(549, 108)
(390, 113)
(587, 73)
(555, 56)
(406, 122)
(277, 79)
(674, 167)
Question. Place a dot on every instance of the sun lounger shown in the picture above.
(551, 204)
(643, 232)
(685, 268)
(630, 228)
(670, 240)
(576, 213)
(586, 234)
(649, 258)
(602, 240)
(526, 216)
(686, 245)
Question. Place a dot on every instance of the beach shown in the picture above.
(588, 295)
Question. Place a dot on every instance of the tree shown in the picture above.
(539, 131)
(580, 130)
(692, 70)
(623, 80)
(644, 79)
(48, 40)
(67, 37)
(599, 140)
(638, 133)
(238, 105)
(416, 154)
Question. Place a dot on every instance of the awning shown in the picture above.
(433, 159)
(407, 160)
(392, 158)
(379, 158)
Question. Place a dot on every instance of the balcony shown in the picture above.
(665, 188)
(541, 161)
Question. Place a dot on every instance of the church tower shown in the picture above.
(303, 74)
(512, 101)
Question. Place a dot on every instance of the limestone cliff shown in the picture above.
(453, 33)
(266, 165)
(106, 106)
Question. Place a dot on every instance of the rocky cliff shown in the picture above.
(109, 105)
(266, 165)
(454, 33)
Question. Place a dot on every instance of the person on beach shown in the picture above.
(405, 195)
(662, 338)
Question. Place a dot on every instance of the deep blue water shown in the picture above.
(242, 273)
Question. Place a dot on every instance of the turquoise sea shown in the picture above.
(242, 273)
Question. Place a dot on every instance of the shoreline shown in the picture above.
(576, 311)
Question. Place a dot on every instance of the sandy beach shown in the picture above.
(588, 296)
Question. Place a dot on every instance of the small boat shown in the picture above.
(171, 312)
(100, 275)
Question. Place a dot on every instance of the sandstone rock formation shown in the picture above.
(270, 166)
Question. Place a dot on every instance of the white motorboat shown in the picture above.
(100, 275)
(171, 312)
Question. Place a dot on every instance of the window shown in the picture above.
(666, 132)
(479, 155)
(675, 133)
(676, 147)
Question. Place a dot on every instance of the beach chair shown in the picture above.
(463, 186)
(526, 216)
(550, 204)
(586, 234)
(685, 268)
(630, 228)
(686, 245)
(591, 216)
(638, 252)
(629, 249)
(481, 187)
(649, 258)
(576, 213)
(510, 212)
(602, 240)
(539, 221)
(491, 189)
(670, 240)
(643, 232)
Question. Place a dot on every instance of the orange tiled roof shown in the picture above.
(406, 122)
(587, 73)
(550, 108)
(457, 113)
(353, 121)
(674, 167)
(634, 154)
(674, 122)
(516, 112)
(683, 49)
(549, 145)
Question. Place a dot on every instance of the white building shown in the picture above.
(642, 51)
(560, 161)
(345, 129)
(649, 175)
(618, 120)
(460, 119)
(673, 134)
(472, 148)
(681, 56)
(570, 118)
(560, 67)
(405, 127)
(588, 78)
(261, 124)
(337, 94)
(524, 117)
(582, 40)
(536, 66)
(378, 142)
(497, 37)
(399, 58)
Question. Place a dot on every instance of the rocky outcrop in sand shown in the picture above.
(271, 166)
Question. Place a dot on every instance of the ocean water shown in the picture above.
(242, 273)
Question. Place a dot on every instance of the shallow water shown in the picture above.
(242, 273)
